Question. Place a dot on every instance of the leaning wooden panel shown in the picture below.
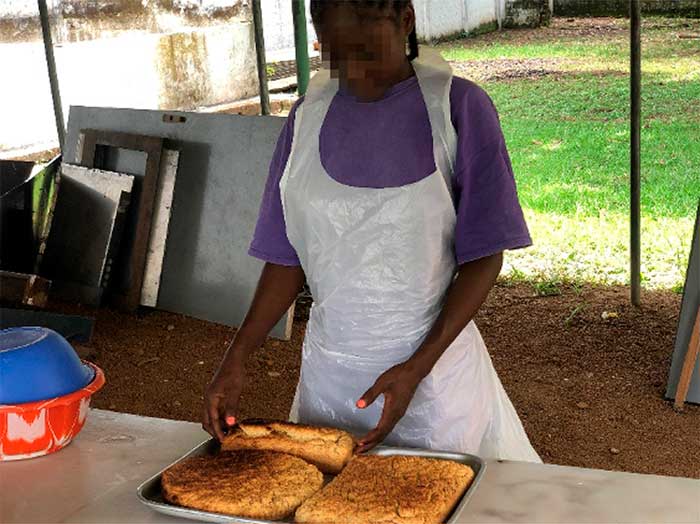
(159, 228)
(23, 289)
(131, 263)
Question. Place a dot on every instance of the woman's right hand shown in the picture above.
(221, 399)
(277, 289)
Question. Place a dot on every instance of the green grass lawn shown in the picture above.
(568, 136)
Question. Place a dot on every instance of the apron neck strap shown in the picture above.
(434, 76)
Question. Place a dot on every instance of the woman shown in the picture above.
(392, 194)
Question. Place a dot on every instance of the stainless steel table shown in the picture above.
(95, 478)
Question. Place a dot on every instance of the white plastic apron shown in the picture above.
(379, 263)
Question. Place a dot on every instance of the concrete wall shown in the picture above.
(181, 55)
(690, 8)
(174, 54)
(20, 8)
(436, 19)
(77, 20)
(279, 29)
(527, 13)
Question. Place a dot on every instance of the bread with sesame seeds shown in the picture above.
(251, 484)
(329, 449)
(389, 490)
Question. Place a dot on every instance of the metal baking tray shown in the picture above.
(150, 493)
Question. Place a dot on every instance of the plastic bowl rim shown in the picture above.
(88, 390)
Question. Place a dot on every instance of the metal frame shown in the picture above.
(635, 133)
(302, 58)
(301, 43)
(260, 56)
(51, 68)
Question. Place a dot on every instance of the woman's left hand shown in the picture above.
(398, 385)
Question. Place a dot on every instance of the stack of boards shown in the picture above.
(275, 471)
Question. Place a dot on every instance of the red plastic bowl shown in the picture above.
(38, 428)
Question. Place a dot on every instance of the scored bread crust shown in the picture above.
(329, 449)
(389, 489)
(251, 484)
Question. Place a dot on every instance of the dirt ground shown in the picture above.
(590, 390)
(562, 31)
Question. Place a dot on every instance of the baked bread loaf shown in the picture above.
(390, 489)
(252, 484)
(328, 449)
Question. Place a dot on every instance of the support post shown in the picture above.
(635, 131)
(260, 57)
(53, 77)
(301, 43)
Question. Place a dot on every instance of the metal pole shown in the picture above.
(635, 130)
(53, 78)
(260, 56)
(301, 43)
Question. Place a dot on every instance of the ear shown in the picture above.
(408, 20)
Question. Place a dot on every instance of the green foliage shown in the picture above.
(547, 288)
(568, 137)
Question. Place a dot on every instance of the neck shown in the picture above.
(371, 90)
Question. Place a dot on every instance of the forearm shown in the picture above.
(277, 290)
(464, 298)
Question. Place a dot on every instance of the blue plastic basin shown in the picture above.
(37, 363)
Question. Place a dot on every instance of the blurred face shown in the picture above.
(365, 47)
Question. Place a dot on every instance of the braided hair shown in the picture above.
(318, 7)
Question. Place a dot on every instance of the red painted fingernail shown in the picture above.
(361, 404)
(231, 421)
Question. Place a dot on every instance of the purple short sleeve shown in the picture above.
(489, 216)
(270, 242)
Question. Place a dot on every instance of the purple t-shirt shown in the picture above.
(388, 143)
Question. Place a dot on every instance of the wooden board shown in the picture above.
(689, 311)
(129, 266)
(159, 227)
(23, 289)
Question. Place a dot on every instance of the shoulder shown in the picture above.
(465, 93)
(473, 111)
